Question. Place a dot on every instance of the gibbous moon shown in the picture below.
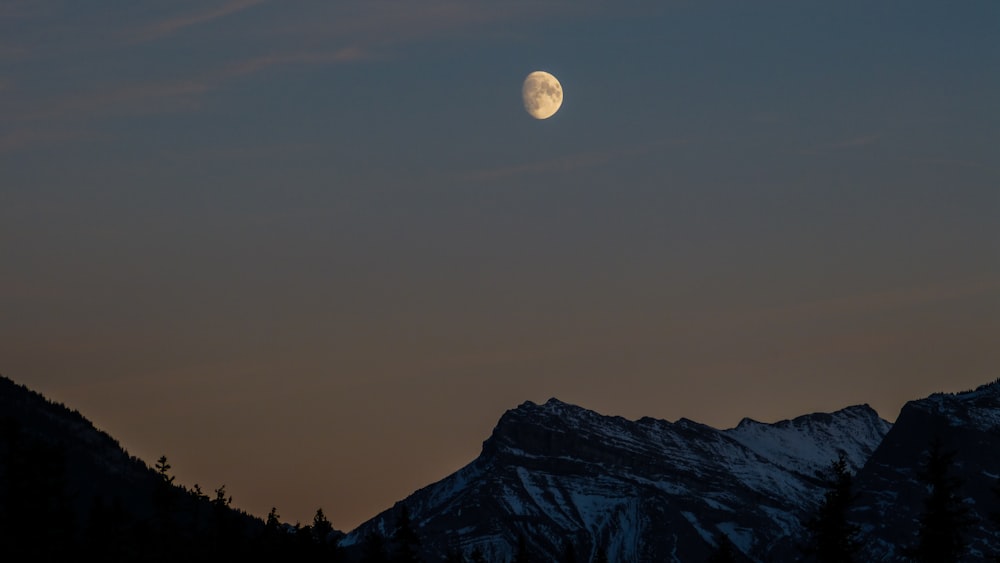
(542, 94)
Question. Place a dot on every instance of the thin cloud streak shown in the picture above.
(174, 25)
(563, 164)
(361, 28)
(400, 22)
(159, 97)
(846, 144)
(16, 9)
(861, 141)
(21, 139)
(13, 53)
(859, 304)
(258, 64)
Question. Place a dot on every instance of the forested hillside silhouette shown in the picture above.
(70, 491)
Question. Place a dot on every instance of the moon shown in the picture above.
(542, 94)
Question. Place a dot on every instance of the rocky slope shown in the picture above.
(646, 490)
(892, 493)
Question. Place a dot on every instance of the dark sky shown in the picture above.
(313, 250)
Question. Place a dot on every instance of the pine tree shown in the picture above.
(163, 499)
(321, 527)
(107, 536)
(945, 518)
(273, 522)
(373, 549)
(522, 555)
(833, 539)
(197, 501)
(725, 551)
(406, 544)
(36, 515)
(270, 542)
(225, 524)
(995, 515)
(162, 469)
(601, 556)
(477, 555)
(568, 553)
(221, 500)
(198, 494)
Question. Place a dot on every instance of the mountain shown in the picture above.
(645, 490)
(550, 477)
(91, 463)
(892, 492)
(68, 489)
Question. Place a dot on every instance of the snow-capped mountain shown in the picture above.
(892, 493)
(645, 490)
(549, 476)
(55, 466)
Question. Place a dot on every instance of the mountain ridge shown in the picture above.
(556, 474)
(555, 470)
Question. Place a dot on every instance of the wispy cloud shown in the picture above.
(338, 33)
(176, 24)
(861, 141)
(870, 140)
(856, 142)
(16, 9)
(562, 164)
(258, 64)
(147, 98)
(402, 22)
(26, 138)
(170, 96)
(13, 53)
(566, 163)
(862, 303)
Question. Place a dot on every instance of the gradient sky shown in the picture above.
(313, 250)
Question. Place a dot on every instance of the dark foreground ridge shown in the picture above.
(554, 482)
(70, 492)
(555, 479)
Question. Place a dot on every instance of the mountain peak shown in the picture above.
(554, 469)
(991, 389)
(973, 408)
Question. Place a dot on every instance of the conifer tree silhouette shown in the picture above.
(374, 549)
(832, 537)
(163, 505)
(725, 551)
(476, 556)
(36, 516)
(601, 556)
(995, 515)
(321, 527)
(945, 519)
(273, 521)
(522, 555)
(405, 542)
(568, 552)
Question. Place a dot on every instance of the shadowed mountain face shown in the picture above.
(893, 492)
(55, 439)
(646, 490)
(68, 490)
(550, 475)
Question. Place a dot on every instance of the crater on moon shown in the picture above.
(542, 94)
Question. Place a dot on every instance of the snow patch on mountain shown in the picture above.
(557, 471)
